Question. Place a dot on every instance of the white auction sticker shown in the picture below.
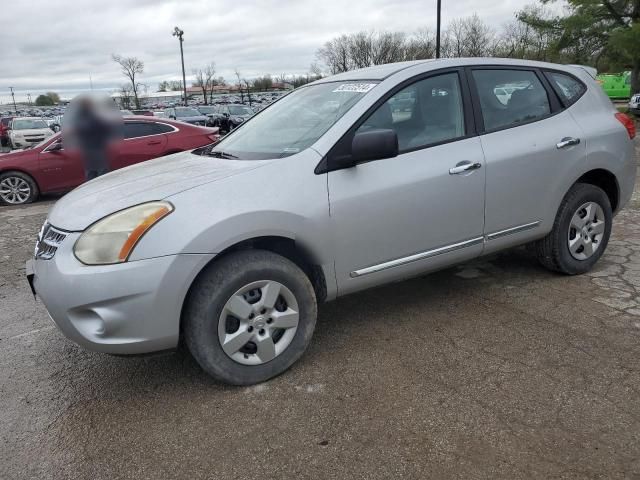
(355, 87)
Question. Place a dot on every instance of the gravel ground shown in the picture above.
(493, 369)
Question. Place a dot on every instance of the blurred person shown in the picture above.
(92, 128)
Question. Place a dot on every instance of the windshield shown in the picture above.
(29, 123)
(187, 112)
(292, 124)
(240, 110)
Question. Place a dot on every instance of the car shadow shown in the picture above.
(372, 309)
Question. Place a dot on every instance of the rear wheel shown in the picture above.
(249, 317)
(17, 188)
(580, 232)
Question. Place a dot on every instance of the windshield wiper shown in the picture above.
(220, 154)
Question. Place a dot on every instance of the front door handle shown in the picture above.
(154, 142)
(567, 142)
(463, 167)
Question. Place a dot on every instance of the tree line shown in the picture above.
(601, 33)
(604, 34)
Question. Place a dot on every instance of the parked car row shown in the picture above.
(226, 116)
(49, 167)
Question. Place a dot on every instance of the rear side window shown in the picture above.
(568, 88)
(510, 97)
(139, 129)
(162, 128)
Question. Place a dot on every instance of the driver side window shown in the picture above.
(426, 112)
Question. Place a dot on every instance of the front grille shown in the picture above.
(48, 242)
(34, 140)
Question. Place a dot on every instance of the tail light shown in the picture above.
(628, 123)
(214, 137)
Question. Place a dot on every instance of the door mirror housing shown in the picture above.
(365, 147)
(374, 145)
(55, 147)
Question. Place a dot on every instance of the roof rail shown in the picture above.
(592, 71)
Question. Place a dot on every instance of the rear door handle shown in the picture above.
(154, 142)
(567, 142)
(463, 167)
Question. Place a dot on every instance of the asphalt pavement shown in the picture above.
(493, 369)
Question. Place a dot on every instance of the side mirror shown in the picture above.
(226, 114)
(55, 147)
(367, 146)
(374, 145)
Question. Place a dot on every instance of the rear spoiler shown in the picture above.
(593, 72)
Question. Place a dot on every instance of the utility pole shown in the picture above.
(14, 99)
(240, 86)
(439, 8)
(179, 33)
(29, 98)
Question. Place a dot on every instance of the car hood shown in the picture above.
(144, 182)
(33, 131)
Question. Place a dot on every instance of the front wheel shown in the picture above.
(249, 317)
(17, 188)
(580, 232)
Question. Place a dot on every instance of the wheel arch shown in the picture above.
(281, 245)
(607, 181)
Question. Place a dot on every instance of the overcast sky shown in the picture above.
(57, 44)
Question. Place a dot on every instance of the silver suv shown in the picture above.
(353, 181)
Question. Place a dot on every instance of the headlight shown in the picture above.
(238, 119)
(112, 239)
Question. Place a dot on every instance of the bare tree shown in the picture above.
(421, 45)
(131, 67)
(479, 38)
(205, 79)
(315, 70)
(335, 55)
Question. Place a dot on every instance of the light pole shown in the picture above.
(439, 8)
(14, 100)
(29, 97)
(179, 33)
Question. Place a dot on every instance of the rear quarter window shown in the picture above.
(569, 89)
(162, 128)
(139, 129)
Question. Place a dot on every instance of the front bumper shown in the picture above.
(127, 308)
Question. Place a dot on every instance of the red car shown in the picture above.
(4, 130)
(48, 168)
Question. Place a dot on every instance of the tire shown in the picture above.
(17, 188)
(554, 251)
(208, 321)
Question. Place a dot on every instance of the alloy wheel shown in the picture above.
(14, 190)
(258, 322)
(586, 230)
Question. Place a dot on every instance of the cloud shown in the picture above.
(58, 45)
